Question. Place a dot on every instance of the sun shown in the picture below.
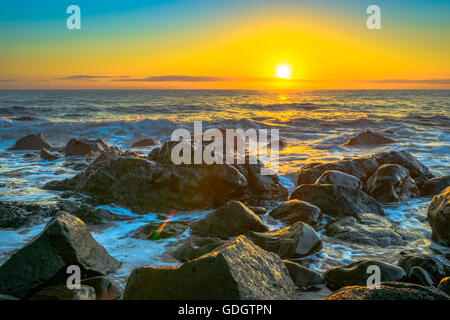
(283, 71)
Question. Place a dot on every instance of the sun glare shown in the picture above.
(283, 71)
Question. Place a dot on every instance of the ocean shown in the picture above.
(315, 124)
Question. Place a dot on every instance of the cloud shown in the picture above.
(414, 81)
(180, 78)
(88, 77)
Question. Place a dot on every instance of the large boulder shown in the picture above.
(406, 160)
(392, 183)
(105, 288)
(434, 186)
(90, 214)
(340, 179)
(17, 215)
(293, 211)
(368, 138)
(371, 230)
(389, 291)
(146, 143)
(356, 274)
(303, 277)
(237, 270)
(362, 168)
(43, 261)
(143, 185)
(439, 217)
(435, 268)
(194, 247)
(230, 220)
(444, 285)
(337, 200)
(296, 241)
(82, 147)
(32, 142)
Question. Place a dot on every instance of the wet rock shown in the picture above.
(389, 291)
(89, 214)
(48, 155)
(340, 179)
(435, 268)
(232, 219)
(337, 200)
(368, 138)
(258, 210)
(17, 215)
(369, 229)
(420, 276)
(392, 183)
(293, 211)
(43, 261)
(32, 142)
(362, 168)
(143, 185)
(444, 285)
(114, 153)
(222, 274)
(406, 160)
(303, 277)
(146, 143)
(434, 186)
(439, 217)
(105, 288)
(194, 247)
(356, 274)
(61, 292)
(296, 241)
(150, 231)
(81, 147)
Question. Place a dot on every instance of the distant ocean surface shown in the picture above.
(315, 124)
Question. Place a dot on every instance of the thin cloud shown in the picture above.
(89, 77)
(179, 78)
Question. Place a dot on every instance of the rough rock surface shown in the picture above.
(145, 143)
(389, 291)
(61, 292)
(150, 231)
(435, 268)
(439, 217)
(222, 274)
(356, 274)
(105, 288)
(444, 285)
(43, 261)
(293, 211)
(392, 183)
(369, 229)
(296, 241)
(194, 247)
(231, 219)
(434, 186)
(81, 147)
(340, 179)
(32, 142)
(48, 155)
(16, 215)
(368, 138)
(420, 276)
(406, 160)
(303, 277)
(337, 200)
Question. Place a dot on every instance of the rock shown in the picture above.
(4, 297)
(296, 241)
(81, 147)
(369, 229)
(61, 292)
(32, 142)
(406, 160)
(435, 268)
(293, 211)
(340, 179)
(444, 285)
(356, 274)
(392, 183)
(439, 217)
(194, 247)
(232, 219)
(337, 200)
(146, 143)
(362, 168)
(48, 155)
(107, 155)
(105, 288)
(89, 214)
(258, 210)
(434, 186)
(17, 215)
(303, 277)
(223, 274)
(420, 276)
(43, 261)
(142, 185)
(389, 291)
(368, 138)
(150, 231)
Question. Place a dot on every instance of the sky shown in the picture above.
(230, 44)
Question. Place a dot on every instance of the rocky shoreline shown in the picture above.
(230, 253)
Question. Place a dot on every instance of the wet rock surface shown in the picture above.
(340, 179)
(368, 138)
(61, 292)
(145, 143)
(221, 274)
(293, 211)
(435, 268)
(444, 285)
(439, 217)
(303, 277)
(434, 186)
(81, 147)
(32, 142)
